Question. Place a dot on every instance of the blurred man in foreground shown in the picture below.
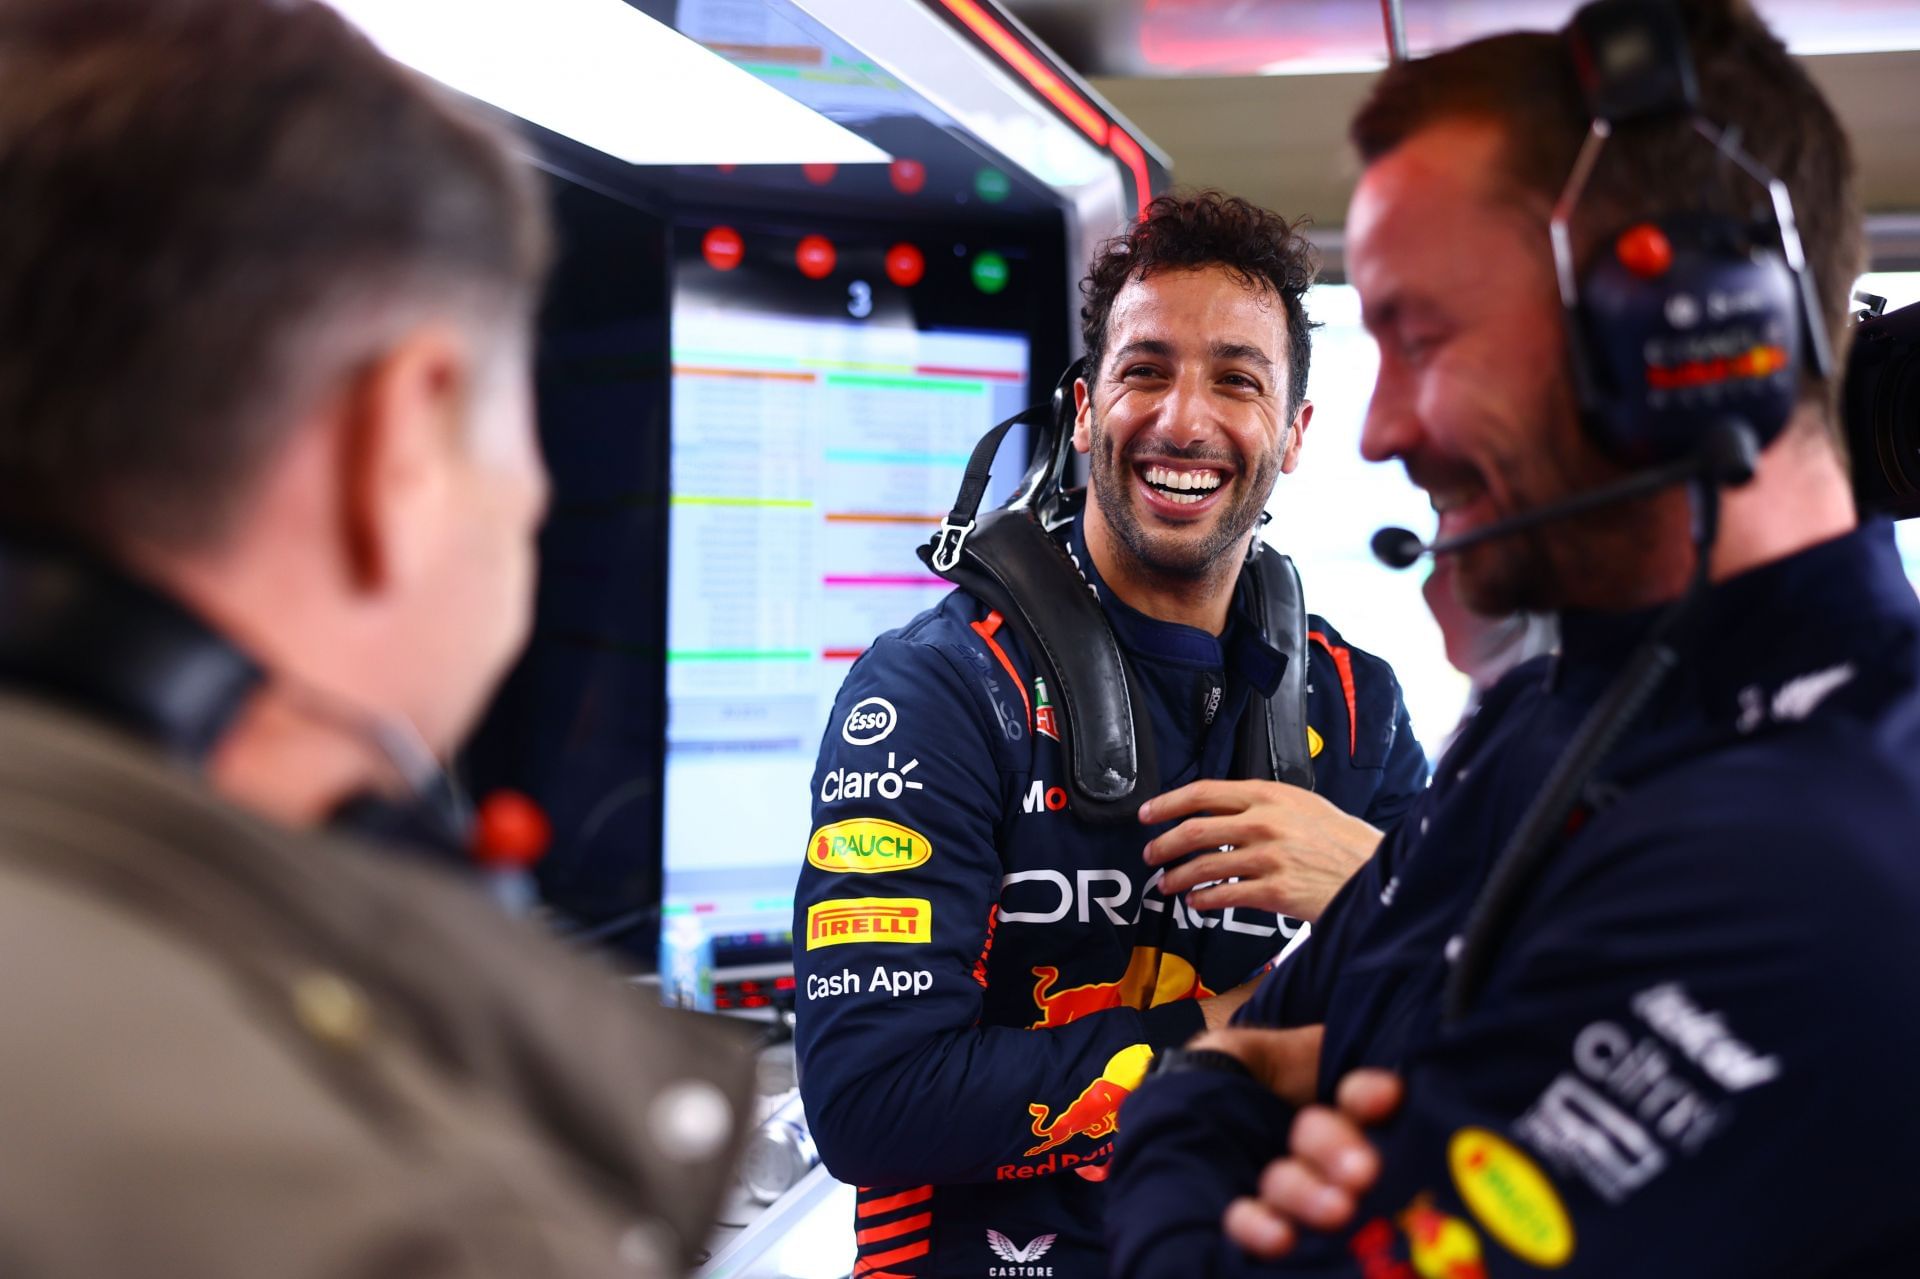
(1678, 1038)
(269, 483)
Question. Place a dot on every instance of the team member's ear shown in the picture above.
(400, 427)
(1297, 436)
(1082, 415)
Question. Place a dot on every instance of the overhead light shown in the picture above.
(607, 75)
(1333, 64)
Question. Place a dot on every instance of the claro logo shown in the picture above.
(867, 846)
(891, 783)
(869, 919)
(870, 721)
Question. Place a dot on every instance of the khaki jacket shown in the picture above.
(231, 1050)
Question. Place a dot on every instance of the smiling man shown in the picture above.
(985, 973)
(1679, 1040)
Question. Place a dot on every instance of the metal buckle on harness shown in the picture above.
(947, 543)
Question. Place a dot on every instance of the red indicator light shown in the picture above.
(819, 174)
(815, 257)
(783, 983)
(723, 248)
(510, 831)
(905, 265)
(1644, 250)
(755, 1001)
(909, 177)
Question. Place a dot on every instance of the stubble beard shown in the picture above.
(1170, 556)
(1601, 560)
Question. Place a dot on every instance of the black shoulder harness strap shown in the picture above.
(1281, 607)
(1010, 560)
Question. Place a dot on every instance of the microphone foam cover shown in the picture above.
(1397, 547)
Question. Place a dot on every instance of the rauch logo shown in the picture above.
(867, 846)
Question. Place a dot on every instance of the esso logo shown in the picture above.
(870, 721)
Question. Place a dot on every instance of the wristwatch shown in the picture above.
(1173, 1061)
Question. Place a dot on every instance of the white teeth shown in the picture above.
(1201, 482)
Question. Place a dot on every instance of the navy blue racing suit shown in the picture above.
(1694, 1055)
(982, 976)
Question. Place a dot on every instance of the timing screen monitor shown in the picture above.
(819, 432)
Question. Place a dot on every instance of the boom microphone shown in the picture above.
(1726, 458)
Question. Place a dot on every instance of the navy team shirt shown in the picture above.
(1695, 1054)
(982, 976)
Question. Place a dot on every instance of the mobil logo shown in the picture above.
(1042, 798)
(871, 720)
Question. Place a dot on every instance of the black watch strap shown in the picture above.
(1173, 1061)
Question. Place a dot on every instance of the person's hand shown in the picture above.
(1219, 1009)
(1330, 1164)
(1289, 849)
(1287, 1062)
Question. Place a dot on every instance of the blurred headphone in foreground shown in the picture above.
(1689, 332)
(1690, 319)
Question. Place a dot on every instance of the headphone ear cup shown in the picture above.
(1683, 323)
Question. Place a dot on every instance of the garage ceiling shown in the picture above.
(1253, 96)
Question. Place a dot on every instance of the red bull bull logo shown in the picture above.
(1372, 1246)
(1152, 978)
(1095, 1113)
(1441, 1246)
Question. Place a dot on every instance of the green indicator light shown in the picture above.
(990, 272)
(992, 185)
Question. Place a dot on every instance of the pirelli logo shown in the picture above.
(871, 919)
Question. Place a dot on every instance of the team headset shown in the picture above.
(80, 632)
(1687, 338)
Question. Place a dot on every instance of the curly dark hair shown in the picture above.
(1191, 229)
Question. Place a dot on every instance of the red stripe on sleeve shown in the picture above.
(905, 1199)
(893, 1230)
(867, 1265)
(1343, 662)
(986, 630)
